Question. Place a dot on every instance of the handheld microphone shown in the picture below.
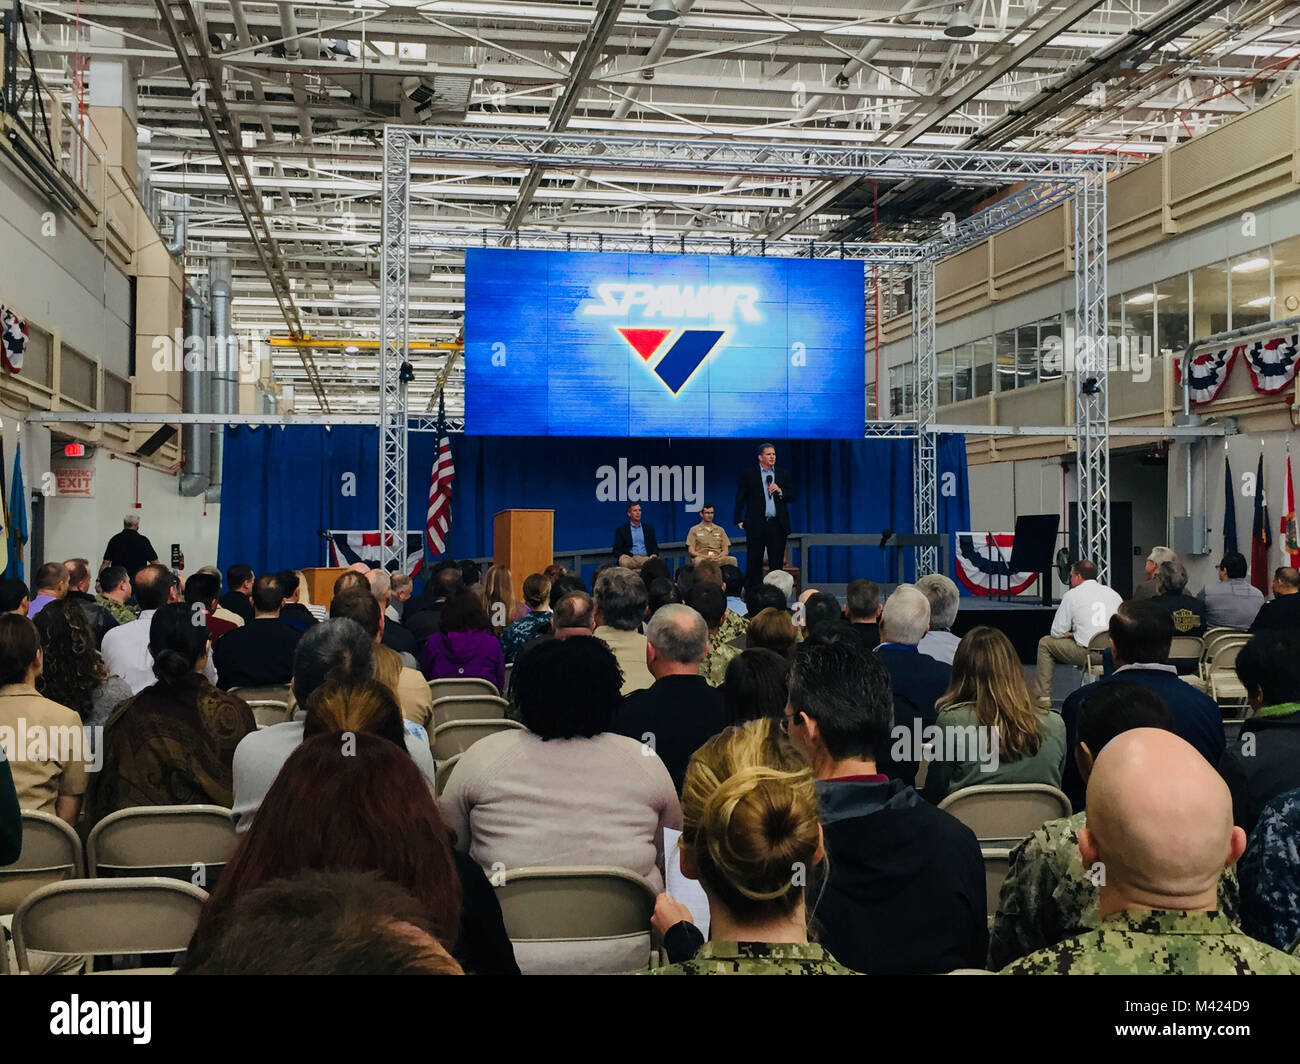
(885, 536)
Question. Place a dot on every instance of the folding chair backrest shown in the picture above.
(163, 840)
(997, 862)
(1224, 655)
(1098, 643)
(1006, 812)
(443, 774)
(571, 918)
(1226, 637)
(468, 707)
(1185, 647)
(457, 736)
(51, 853)
(463, 685)
(268, 711)
(263, 692)
(106, 916)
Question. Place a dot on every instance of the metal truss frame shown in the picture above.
(1044, 181)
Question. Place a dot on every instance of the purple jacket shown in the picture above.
(450, 655)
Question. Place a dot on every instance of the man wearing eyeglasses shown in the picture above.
(762, 512)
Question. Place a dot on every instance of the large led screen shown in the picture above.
(592, 344)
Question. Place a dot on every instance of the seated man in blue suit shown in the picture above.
(634, 542)
(1141, 632)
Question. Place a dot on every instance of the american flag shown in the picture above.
(438, 522)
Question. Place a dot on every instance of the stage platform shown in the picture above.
(1024, 623)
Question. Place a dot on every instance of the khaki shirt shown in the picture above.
(629, 649)
(708, 541)
(46, 747)
(223, 614)
(415, 698)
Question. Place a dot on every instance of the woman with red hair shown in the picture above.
(355, 801)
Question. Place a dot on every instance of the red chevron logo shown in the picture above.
(645, 342)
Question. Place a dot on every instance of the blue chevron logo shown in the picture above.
(683, 356)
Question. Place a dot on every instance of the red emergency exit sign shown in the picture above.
(74, 450)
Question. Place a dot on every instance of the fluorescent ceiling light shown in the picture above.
(1251, 266)
(1142, 299)
(1262, 301)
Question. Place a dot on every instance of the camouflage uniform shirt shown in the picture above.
(1047, 896)
(1159, 942)
(1270, 875)
(122, 613)
(733, 625)
(758, 958)
(714, 666)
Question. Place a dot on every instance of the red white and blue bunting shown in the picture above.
(1272, 360)
(14, 331)
(982, 567)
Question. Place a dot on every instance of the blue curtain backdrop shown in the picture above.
(282, 484)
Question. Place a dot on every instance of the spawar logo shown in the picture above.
(675, 362)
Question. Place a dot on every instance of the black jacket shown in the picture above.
(482, 945)
(238, 604)
(1188, 613)
(256, 655)
(99, 619)
(297, 616)
(904, 886)
(623, 539)
(130, 550)
(681, 713)
(396, 637)
(751, 495)
(916, 679)
(1280, 615)
(1262, 765)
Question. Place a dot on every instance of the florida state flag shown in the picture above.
(1290, 533)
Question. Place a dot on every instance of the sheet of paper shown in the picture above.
(687, 891)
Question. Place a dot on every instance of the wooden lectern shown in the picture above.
(524, 540)
(320, 583)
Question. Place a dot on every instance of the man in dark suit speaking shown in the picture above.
(762, 513)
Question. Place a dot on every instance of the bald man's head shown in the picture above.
(1159, 823)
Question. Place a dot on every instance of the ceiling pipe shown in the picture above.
(224, 372)
(180, 218)
(195, 439)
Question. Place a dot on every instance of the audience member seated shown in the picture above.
(574, 614)
(634, 542)
(1160, 825)
(114, 590)
(238, 599)
(1140, 635)
(755, 686)
(350, 580)
(1084, 611)
(564, 584)
(408, 685)
(204, 589)
(260, 653)
(733, 624)
(350, 798)
(14, 597)
(498, 600)
(733, 582)
(73, 673)
(763, 597)
(51, 584)
(471, 574)
(394, 636)
(918, 680)
(339, 650)
(862, 609)
(11, 817)
(771, 629)
(567, 790)
(421, 614)
(55, 782)
(1149, 587)
(1186, 611)
(1015, 740)
(707, 599)
(660, 592)
(325, 923)
(402, 588)
(537, 597)
(99, 618)
(1265, 761)
(783, 582)
(126, 648)
(1270, 875)
(1282, 614)
(820, 609)
(749, 815)
(620, 608)
(905, 889)
(939, 642)
(173, 742)
(675, 715)
(464, 644)
(1232, 601)
(292, 611)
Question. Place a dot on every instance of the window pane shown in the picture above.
(1249, 277)
(37, 359)
(1209, 300)
(1286, 277)
(1139, 328)
(983, 356)
(1004, 345)
(117, 393)
(78, 376)
(1049, 352)
(943, 377)
(1171, 316)
(962, 369)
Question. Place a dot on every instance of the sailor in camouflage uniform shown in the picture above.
(1164, 818)
(758, 958)
(1270, 875)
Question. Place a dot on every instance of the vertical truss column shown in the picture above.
(925, 459)
(1091, 365)
(394, 308)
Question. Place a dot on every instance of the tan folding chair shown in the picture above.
(175, 841)
(51, 853)
(268, 712)
(997, 862)
(466, 685)
(263, 693)
(1001, 814)
(468, 707)
(457, 736)
(587, 919)
(1096, 646)
(1231, 637)
(1221, 675)
(107, 916)
(1185, 647)
(442, 774)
